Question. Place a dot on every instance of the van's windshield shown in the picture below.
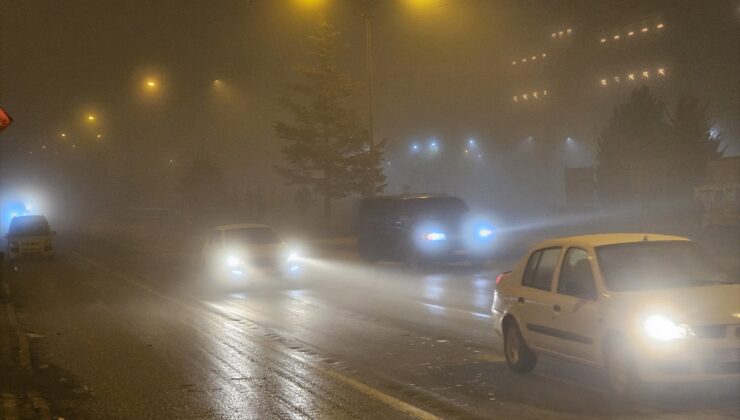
(442, 207)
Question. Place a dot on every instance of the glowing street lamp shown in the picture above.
(310, 4)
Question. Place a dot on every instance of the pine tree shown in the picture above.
(632, 151)
(693, 146)
(326, 147)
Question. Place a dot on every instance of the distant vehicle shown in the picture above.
(419, 228)
(238, 253)
(30, 236)
(643, 307)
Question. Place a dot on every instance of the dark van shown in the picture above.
(418, 228)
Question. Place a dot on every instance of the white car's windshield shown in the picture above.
(252, 236)
(29, 226)
(656, 265)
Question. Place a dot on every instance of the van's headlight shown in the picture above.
(485, 232)
(661, 328)
(293, 256)
(233, 261)
(435, 236)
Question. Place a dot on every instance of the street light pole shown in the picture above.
(369, 63)
(370, 117)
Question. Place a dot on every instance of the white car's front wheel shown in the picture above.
(621, 369)
(518, 355)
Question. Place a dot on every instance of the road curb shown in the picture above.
(22, 351)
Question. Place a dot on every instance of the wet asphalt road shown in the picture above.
(130, 331)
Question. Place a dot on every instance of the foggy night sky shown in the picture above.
(439, 72)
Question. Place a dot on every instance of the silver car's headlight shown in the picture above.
(661, 328)
(233, 261)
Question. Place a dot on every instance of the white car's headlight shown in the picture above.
(661, 328)
(293, 256)
(233, 262)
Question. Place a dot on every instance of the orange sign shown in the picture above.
(5, 119)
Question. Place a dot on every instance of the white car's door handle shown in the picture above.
(520, 300)
(556, 308)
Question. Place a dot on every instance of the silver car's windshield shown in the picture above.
(654, 265)
(252, 236)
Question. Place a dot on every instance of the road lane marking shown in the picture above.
(375, 394)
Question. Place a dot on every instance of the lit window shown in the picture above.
(659, 26)
(554, 34)
(661, 71)
(544, 93)
(516, 99)
(544, 55)
(630, 33)
(535, 95)
(644, 29)
(513, 63)
(603, 40)
(524, 60)
(603, 82)
(616, 37)
(534, 57)
(617, 79)
(525, 97)
(569, 30)
(631, 76)
(560, 33)
(646, 74)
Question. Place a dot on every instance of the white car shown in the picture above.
(238, 253)
(30, 236)
(643, 307)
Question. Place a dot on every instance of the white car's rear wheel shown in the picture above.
(518, 355)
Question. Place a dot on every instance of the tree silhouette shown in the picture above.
(693, 145)
(631, 158)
